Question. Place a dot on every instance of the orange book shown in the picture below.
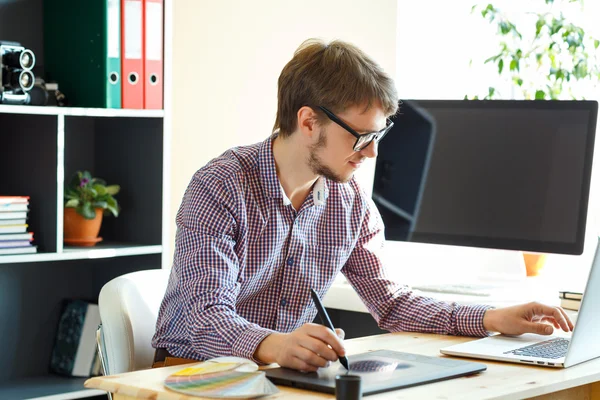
(14, 199)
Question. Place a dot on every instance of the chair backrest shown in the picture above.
(129, 307)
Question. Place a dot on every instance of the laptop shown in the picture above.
(559, 351)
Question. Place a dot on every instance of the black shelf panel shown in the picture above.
(28, 167)
(31, 301)
(127, 152)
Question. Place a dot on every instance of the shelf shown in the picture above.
(102, 250)
(49, 387)
(79, 111)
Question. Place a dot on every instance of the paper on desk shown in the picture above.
(216, 379)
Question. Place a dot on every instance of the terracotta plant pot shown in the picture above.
(79, 231)
(534, 263)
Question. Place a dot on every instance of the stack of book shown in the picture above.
(14, 237)
(570, 300)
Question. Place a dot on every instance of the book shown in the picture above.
(14, 200)
(16, 236)
(19, 228)
(5, 207)
(570, 304)
(19, 250)
(13, 214)
(14, 243)
(570, 295)
(20, 221)
(74, 352)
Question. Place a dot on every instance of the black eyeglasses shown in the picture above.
(362, 140)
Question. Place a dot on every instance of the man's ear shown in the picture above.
(307, 122)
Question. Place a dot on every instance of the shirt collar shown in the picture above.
(270, 181)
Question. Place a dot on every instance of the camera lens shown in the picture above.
(19, 59)
(22, 79)
(27, 59)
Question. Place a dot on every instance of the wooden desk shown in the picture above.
(499, 381)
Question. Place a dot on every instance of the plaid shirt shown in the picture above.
(245, 261)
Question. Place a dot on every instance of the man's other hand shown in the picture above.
(527, 318)
(306, 349)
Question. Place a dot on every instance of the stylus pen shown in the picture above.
(326, 321)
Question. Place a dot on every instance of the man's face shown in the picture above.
(332, 155)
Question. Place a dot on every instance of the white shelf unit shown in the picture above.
(79, 111)
(40, 147)
(83, 253)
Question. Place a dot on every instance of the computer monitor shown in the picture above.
(503, 174)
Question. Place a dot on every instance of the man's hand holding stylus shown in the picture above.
(306, 349)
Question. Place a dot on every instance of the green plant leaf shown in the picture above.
(113, 189)
(86, 210)
(540, 95)
(72, 203)
(100, 190)
(493, 58)
(500, 66)
(596, 43)
(114, 211)
(488, 9)
(555, 26)
(539, 25)
(580, 71)
(100, 204)
(112, 206)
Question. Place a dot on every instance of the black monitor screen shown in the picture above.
(488, 173)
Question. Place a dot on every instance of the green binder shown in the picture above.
(82, 50)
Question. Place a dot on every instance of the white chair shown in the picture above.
(128, 309)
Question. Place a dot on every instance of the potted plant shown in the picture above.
(87, 199)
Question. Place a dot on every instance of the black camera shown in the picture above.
(17, 78)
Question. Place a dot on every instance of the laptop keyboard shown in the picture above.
(554, 348)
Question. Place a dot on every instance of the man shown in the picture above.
(261, 225)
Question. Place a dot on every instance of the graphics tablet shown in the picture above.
(381, 371)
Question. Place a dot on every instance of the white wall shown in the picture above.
(227, 56)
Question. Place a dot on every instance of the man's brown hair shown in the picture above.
(336, 76)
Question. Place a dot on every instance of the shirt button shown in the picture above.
(290, 261)
(283, 302)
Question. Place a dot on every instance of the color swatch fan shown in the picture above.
(221, 379)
